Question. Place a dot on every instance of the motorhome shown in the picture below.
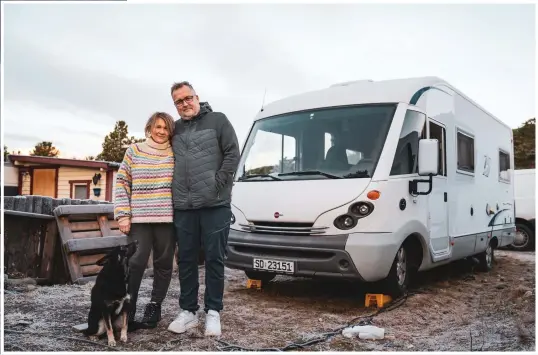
(524, 185)
(371, 181)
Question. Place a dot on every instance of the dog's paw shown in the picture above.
(123, 338)
(94, 338)
(112, 342)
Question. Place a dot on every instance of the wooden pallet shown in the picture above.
(87, 232)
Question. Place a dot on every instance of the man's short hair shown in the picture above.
(180, 85)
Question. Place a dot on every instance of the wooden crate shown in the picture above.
(86, 232)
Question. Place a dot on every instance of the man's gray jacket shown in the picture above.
(206, 153)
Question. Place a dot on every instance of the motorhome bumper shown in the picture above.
(320, 256)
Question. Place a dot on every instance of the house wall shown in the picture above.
(114, 174)
(66, 174)
(26, 184)
(11, 175)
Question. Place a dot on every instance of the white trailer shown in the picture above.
(372, 181)
(524, 185)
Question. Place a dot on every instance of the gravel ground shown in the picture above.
(451, 308)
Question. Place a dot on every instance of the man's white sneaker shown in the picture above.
(185, 320)
(212, 323)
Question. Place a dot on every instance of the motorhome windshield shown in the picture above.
(329, 143)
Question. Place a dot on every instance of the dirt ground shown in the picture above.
(452, 308)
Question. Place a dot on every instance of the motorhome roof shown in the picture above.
(351, 93)
(360, 92)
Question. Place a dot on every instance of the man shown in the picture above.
(206, 155)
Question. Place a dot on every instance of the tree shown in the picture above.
(45, 149)
(6, 153)
(525, 145)
(116, 143)
(89, 157)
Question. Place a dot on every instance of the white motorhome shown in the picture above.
(524, 185)
(371, 181)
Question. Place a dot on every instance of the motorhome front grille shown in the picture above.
(283, 228)
(262, 252)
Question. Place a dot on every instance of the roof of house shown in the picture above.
(91, 164)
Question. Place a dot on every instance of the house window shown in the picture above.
(465, 153)
(80, 189)
(80, 192)
(504, 166)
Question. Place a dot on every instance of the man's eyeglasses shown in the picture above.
(181, 102)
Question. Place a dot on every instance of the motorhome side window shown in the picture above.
(439, 133)
(406, 156)
(465, 152)
(504, 166)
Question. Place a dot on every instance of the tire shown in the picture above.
(486, 259)
(524, 238)
(260, 275)
(399, 275)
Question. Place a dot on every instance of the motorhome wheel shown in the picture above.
(398, 279)
(524, 236)
(485, 259)
(260, 275)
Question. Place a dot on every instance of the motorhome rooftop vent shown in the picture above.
(353, 82)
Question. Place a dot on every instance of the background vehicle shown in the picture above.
(524, 185)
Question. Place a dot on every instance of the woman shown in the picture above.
(143, 208)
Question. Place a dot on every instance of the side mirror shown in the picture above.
(428, 157)
(428, 165)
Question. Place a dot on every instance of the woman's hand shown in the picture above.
(125, 225)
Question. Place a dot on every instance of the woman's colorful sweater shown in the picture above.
(144, 183)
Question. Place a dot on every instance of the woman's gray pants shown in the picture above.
(160, 238)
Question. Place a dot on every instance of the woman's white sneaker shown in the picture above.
(212, 323)
(184, 321)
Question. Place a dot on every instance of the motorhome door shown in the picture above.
(438, 199)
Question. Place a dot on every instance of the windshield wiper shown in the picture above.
(358, 174)
(311, 172)
(246, 177)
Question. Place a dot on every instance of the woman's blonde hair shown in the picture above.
(168, 121)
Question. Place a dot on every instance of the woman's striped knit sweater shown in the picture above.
(144, 183)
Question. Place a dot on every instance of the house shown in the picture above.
(10, 179)
(61, 178)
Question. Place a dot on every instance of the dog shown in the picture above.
(110, 301)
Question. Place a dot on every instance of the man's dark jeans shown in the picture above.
(207, 228)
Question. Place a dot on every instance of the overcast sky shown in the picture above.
(72, 71)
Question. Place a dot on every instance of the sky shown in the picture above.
(72, 70)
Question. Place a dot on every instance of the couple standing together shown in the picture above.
(176, 188)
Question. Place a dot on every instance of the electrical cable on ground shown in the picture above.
(367, 320)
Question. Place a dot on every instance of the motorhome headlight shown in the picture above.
(345, 222)
(232, 220)
(361, 209)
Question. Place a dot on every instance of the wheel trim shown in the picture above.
(401, 266)
(521, 239)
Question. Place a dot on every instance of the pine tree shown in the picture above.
(45, 149)
(525, 145)
(116, 143)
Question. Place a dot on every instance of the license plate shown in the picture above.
(274, 265)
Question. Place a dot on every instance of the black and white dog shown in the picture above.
(110, 301)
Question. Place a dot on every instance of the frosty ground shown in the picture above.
(451, 308)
